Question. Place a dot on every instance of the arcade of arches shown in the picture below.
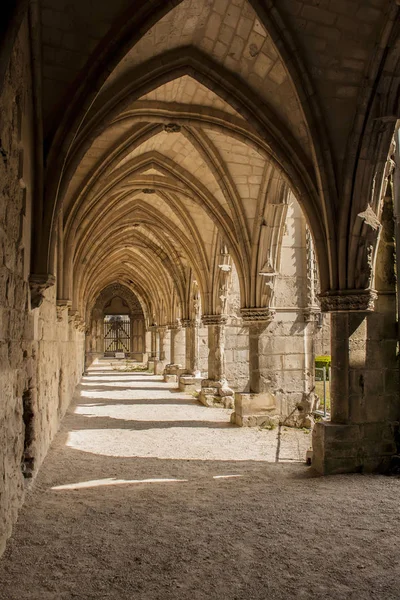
(209, 188)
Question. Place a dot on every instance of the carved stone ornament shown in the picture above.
(172, 128)
(38, 285)
(257, 315)
(311, 314)
(148, 190)
(348, 301)
(214, 319)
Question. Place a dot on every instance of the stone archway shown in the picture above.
(116, 314)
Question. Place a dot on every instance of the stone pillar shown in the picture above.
(257, 406)
(94, 337)
(365, 405)
(190, 380)
(214, 389)
(162, 350)
(147, 345)
(153, 348)
(177, 351)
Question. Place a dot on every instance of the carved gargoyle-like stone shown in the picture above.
(38, 285)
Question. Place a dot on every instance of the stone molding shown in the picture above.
(188, 323)
(214, 319)
(348, 300)
(38, 285)
(257, 315)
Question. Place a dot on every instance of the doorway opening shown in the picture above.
(117, 334)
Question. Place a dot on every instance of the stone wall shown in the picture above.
(41, 356)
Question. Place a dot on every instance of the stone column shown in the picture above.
(214, 389)
(177, 351)
(190, 348)
(190, 380)
(162, 349)
(153, 348)
(259, 405)
(95, 336)
(147, 345)
(365, 403)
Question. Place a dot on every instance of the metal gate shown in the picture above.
(117, 333)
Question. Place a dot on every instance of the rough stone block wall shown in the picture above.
(40, 357)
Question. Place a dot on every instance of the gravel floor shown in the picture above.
(146, 494)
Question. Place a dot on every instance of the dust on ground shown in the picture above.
(145, 494)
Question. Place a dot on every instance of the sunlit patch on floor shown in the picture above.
(111, 481)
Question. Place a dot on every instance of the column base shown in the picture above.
(159, 366)
(353, 448)
(189, 383)
(150, 364)
(172, 372)
(252, 410)
(216, 394)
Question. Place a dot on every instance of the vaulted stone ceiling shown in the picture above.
(189, 124)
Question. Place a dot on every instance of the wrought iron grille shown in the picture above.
(117, 333)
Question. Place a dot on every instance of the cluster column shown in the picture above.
(215, 390)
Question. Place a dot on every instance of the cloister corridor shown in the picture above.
(146, 494)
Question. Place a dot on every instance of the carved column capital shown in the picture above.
(38, 285)
(255, 316)
(188, 323)
(348, 300)
(311, 314)
(214, 319)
